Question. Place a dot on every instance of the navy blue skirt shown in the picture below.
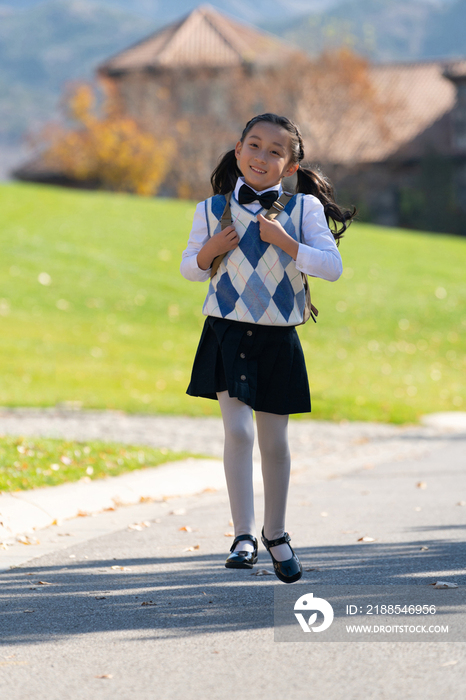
(260, 365)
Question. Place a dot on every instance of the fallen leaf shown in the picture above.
(44, 583)
(461, 503)
(146, 499)
(3, 545)
(148, 602)
(444, 584)
(423, 548)
(191, 549)
(25, 539)
(421, 485)
(177, 511)
(230, 523)
(186, 528)
(449, 663)
(324, 514)
(82, 514)
(366, 539)
(104, 675)
(29, 611)
(262, 572)
(315, 568)
(209, 489)
(360, 441)
(120, 568)
(101, 597)
(228, 534)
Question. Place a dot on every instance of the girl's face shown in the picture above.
(264, 157)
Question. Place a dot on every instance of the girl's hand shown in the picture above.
(274, 233)
(225, 240)
(222, 242)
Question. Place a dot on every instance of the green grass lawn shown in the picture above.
(27, 463)
(93, 311)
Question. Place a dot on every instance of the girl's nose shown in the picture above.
(260, 157)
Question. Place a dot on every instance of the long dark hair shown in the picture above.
(313, 182)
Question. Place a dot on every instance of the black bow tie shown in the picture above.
(247, 195)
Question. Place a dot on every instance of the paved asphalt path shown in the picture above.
(171, 622)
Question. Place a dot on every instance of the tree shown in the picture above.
(108, 149)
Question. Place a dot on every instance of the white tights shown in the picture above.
(272, 432)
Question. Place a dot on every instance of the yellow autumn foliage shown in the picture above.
(111, 150)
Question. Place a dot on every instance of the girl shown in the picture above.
(249, 355)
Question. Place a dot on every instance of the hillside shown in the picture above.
(384, 30)
(94, 312)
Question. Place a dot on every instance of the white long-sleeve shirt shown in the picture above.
(318, 255)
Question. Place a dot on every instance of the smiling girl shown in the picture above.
(249, 356)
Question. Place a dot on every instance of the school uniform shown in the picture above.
(249, 345)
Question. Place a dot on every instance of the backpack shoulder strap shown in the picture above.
(224, 222)
(278, 206)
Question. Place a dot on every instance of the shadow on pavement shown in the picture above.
(189, 595)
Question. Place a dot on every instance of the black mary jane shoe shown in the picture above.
(242, 560)
(289, 570)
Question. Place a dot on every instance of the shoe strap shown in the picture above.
(281, 540)
(240, 538)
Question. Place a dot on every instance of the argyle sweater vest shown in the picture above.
(256, 282)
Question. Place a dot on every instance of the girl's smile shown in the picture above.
(264, 157)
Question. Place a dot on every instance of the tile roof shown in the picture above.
(203, 38)
(409, 113)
